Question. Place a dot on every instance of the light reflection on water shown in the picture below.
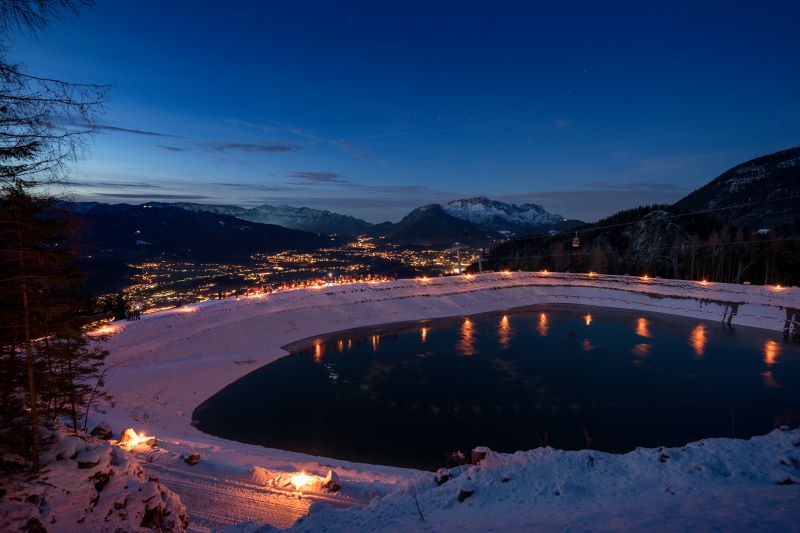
(543, 327)
(504, 332)
(643, 327)
(698, 340)
(406, 397)
(771, 352)
(466, 344)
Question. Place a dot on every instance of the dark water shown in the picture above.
(562, 376)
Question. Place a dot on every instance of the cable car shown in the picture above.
(576, 242)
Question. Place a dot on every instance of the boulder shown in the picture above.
(331, 482)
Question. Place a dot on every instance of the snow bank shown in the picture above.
(165, 365)
(714, 484)
(87, 485)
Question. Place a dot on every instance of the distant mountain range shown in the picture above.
(298, 218)
(145, 230)
(472, 221)
(743, 196)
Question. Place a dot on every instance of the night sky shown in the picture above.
(375, 108)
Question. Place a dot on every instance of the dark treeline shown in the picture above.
(50, 366)
(661, 240)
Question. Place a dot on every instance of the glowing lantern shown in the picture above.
(131, 439)
(301, 480)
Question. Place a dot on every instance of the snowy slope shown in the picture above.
(87, 485)
(165, 365)
(709, 485)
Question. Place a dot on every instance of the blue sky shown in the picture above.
(374, 108)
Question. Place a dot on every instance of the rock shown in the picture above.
(443, 475)
(467, 490)
(100, 479)
(11, 463)
(456, 458)
(192, 459)
(331, 482)
(464, 494)
(103, 431)
(88, 464)
(479, 454)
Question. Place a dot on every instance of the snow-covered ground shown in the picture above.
(86, 485)
(163, 366)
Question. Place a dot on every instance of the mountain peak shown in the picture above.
(501, 216)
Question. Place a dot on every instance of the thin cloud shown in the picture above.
(356, 151)
(256, 187)
(107, 184)
(318, 177)
(119, 129)
(156, 196)
(171, 148)
(248, 148)
(562, 123)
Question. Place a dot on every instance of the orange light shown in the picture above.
(301, 480)
(588, 319)
(543, 326)
(424, 279)
(504, 331)
(424, 333)
(506, 273)
(642, 327)
(318, 352)
(645, 277)
(698, 340)
(544, 271)
(771, 352)
(468, 276)
(704, 282)
(592, 274)
(131, 439)
(103, 330)
(466, 345)
(778, 287)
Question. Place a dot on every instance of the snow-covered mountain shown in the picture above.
(299, 218)
(501, 216)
